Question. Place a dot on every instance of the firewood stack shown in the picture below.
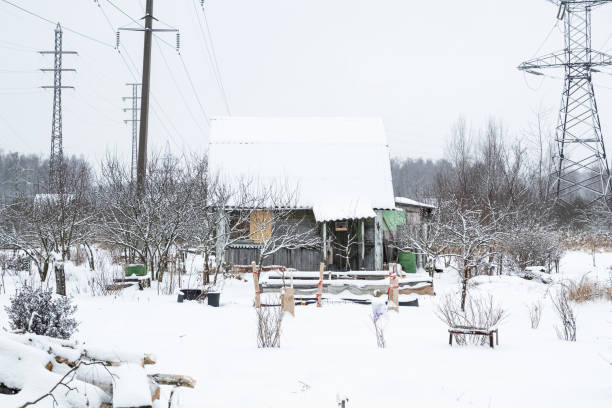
(34, 368)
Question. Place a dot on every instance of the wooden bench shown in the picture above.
(474, 331)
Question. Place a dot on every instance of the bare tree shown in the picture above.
(43, 225)
(150, 224)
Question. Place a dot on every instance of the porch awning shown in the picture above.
(342, 209)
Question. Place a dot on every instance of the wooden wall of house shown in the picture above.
(303, 259)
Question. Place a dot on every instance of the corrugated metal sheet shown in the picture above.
(321, 161)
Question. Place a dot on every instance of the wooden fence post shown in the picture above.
(288, 301)
(320, 284)
(256, 284)
(393, 295)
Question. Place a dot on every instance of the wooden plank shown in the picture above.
(256, 284)
(320, 284)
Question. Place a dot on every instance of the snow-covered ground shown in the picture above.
(330, 350)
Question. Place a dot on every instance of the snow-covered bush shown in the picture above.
(479, 313)
(269, 324)
(532, 246)
(40, 311)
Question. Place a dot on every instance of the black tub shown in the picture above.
(213, 298)
(191, 294)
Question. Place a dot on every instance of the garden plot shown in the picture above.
(332, 350)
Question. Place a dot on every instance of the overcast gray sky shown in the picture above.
(418, 65)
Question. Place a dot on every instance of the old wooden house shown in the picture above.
(340, 171)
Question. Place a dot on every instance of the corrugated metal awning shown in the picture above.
(339, 209)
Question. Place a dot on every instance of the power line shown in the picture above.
(178, 88)
(132, 68)
(54, 23)
(195, 92)
(210, 50)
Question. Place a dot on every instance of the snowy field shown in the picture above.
(332, 350)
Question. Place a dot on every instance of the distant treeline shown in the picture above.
(414, 178)
(25, 174)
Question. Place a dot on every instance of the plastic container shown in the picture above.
(408, 261)
(213, 298)
(136, 270)
(191, 294)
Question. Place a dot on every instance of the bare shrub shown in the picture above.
(101, 277)
(269, 324)
(535, 314)
(479, 313)
(561, 302)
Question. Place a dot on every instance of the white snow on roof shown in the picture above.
(414, 203)
(330, 210)
(338, 166)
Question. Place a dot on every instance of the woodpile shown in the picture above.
(34, 367)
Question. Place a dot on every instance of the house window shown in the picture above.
(341, 225)
(260, 227)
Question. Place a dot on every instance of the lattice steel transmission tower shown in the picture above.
(135, 108)
(581, 163)
(56, 159)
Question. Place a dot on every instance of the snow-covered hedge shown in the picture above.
(40, 311)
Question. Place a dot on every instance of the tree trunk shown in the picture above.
(464, 285)
(45, 270)
(92, 263)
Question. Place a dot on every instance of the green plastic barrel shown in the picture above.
(135, 269)
(408, 261)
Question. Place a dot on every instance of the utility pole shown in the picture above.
(56, 159)
(581, 163)
(145, 92)
(134, 121)
(144, 101)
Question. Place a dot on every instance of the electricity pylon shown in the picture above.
(581, 163)
(134, 121)
(56, 159)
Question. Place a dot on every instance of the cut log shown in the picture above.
(423, 290)
(173, 379)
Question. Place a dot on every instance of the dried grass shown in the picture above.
(586, 290)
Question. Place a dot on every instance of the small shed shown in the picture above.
(338, 167)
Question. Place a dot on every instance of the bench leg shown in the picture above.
(497, 337)
(450, 339)
(491, 340)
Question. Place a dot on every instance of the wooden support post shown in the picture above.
(320, 284)
(256, 284)
(393, 296)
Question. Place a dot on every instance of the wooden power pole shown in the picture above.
(144, 100)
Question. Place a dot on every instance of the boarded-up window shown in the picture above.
(260, 226)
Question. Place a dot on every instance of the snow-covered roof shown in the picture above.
(403, 201)
(339, 167)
